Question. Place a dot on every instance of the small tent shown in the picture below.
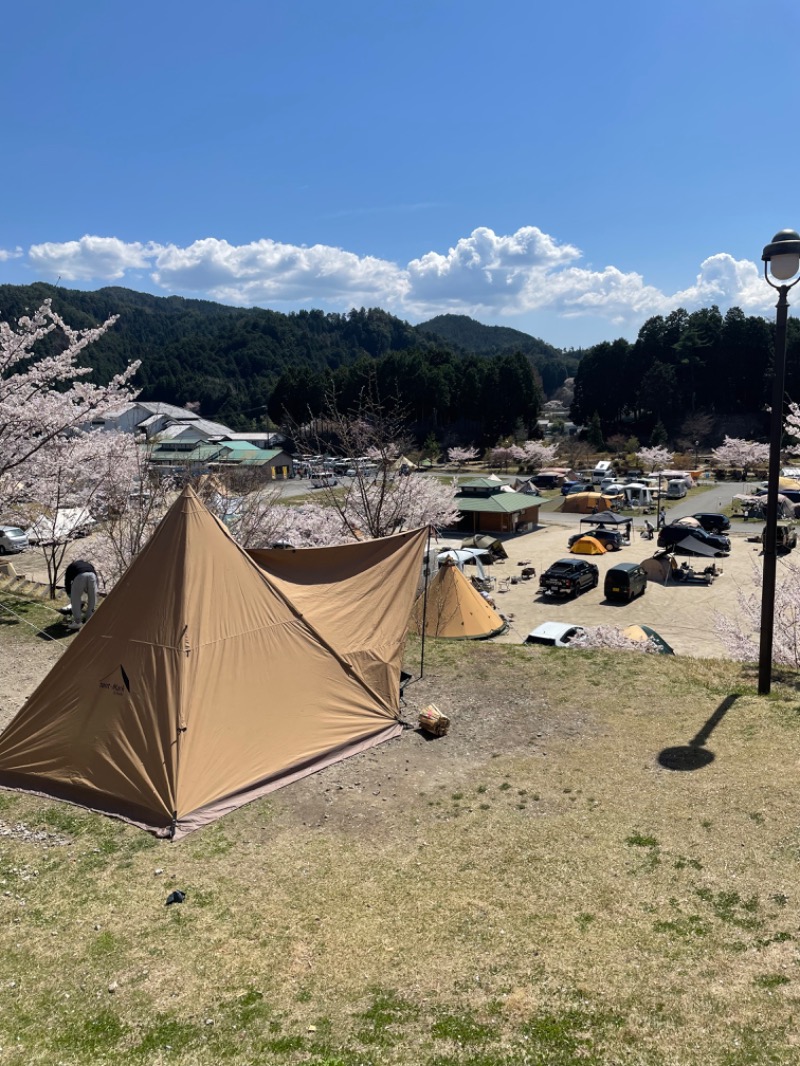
(587, 545)
(490, 544)
(454, 609)
(642, 633)
(660, 567)
(198, 685)
(403, 463)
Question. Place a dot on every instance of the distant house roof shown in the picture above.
(268, 437)
(493, 483)
(498, 502)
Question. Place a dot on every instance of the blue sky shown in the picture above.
(565, 169)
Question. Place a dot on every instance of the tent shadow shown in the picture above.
(695, 755)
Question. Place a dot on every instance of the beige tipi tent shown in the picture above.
(199, 685)
(455, 609)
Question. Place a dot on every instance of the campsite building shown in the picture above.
(488, 505)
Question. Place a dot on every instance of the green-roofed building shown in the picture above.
(489, 505)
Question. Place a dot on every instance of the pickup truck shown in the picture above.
(568, 577)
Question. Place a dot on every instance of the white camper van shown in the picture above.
(676, 489)
(603, 469)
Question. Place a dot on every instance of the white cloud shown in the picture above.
(10, 253)
(266, 270)
(91, 258)
(485, 274)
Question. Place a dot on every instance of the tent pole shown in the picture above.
(425, 573)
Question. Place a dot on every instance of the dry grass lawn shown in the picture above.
(535, 887)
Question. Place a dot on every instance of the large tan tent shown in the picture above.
(455, 610)
(587, 502)
(199, 685)
(358, 596)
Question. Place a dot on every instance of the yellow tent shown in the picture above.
(455, 610)
(587, 546)
(788, 483)
(199, 685)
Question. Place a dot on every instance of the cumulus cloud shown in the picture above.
(91, 258)
(266, 270)
(10, 253)
(484, 274)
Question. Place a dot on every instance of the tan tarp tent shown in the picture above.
(660, 567)
(455, 610)
(586, 502)
(587, 546)
(358, 596)
(199, 685)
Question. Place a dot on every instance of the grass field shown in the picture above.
(536, 887)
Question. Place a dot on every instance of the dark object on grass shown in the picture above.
(175, 897)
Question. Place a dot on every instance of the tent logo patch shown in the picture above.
(117, 683)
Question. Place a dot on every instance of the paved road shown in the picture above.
(715, 498)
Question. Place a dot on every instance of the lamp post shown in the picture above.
(782, 260)
(696, 453)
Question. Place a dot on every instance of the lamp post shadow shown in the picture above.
(695, 755)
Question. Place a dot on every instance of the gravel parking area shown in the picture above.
(683, 615)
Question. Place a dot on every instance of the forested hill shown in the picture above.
(464, 332)
(230, 359)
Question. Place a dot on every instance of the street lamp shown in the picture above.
(696, 453)
(782, 260)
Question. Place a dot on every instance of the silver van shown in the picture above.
(676, 489)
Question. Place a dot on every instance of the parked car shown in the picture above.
(569, 577)
(674, 534)
(792, 495)
(546, 481)
(676, 489)
(611, 539)
(713, 523)
(785, 536)
(12, 540)
(625, 581)
(554, 634)
(571, 487)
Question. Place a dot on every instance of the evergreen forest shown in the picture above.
(687, 375)
(691, 375)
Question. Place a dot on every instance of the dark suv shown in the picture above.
(568, 577)
(713, 523)
(673, 535)
(611, 539)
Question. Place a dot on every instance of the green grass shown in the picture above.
(599, 910)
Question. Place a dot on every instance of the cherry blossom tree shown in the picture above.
(611, 638)
(656, 457)
(132, 500)
(538, 454)
(739, 632)
(739, 454)
(458, 456)
(502, 455)
(792, 428)
(43, 391)
(72, 479)
(377, 502)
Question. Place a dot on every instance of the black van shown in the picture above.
(625, 581)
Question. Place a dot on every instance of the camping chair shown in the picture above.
(504, 585)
